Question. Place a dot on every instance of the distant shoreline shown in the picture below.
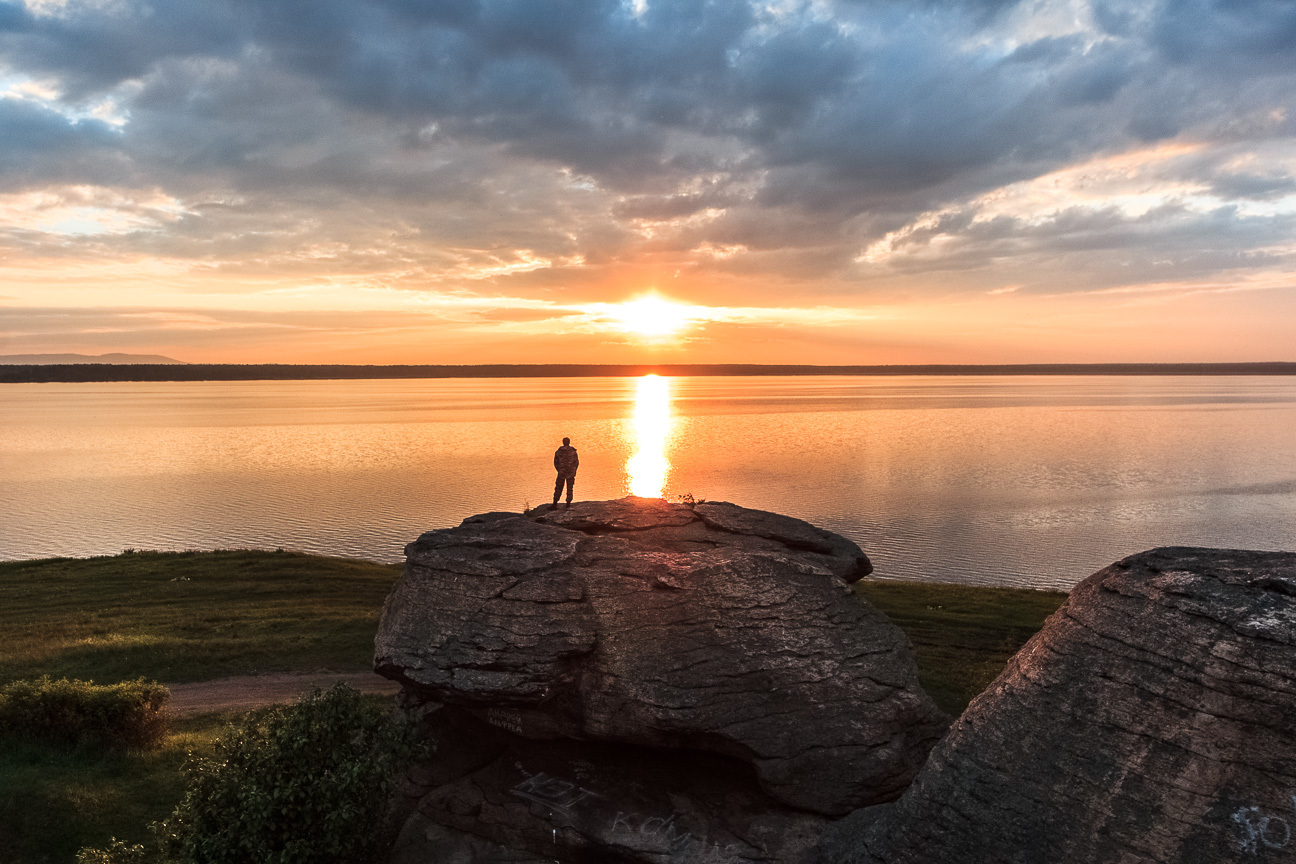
(96, 372)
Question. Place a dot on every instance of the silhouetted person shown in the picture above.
(565, 463)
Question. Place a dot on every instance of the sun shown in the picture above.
(651, 316)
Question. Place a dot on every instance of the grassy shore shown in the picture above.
(196, 616)
(189, 616)
(55, 800)
(962, 634)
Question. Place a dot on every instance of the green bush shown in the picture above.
(130, 714)
(295, 785)
(116, 852)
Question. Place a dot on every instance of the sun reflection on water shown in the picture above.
(651, 426)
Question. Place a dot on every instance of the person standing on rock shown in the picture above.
(565, 463)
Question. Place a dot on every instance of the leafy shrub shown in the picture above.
(295, 785)
(130, 714)
(116, 852)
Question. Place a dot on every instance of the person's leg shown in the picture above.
(571, 482)
(558, 484)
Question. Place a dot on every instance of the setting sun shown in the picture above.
(652, 316)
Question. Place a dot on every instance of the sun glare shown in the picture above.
(648, 466)
(651, 316)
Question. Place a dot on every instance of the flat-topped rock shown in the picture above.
(706, 628)
(1152, 719)
(625, 514)
(831, 551)
(793, 533)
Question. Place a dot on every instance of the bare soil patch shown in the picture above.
(248, 692)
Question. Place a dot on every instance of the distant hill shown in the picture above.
(66, 359)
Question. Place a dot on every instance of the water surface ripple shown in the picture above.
(1028, 481)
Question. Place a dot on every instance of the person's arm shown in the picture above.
(557, 467)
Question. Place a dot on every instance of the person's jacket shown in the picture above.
(566, 461)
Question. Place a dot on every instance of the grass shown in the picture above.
(962, 634)
(55, 800)
(189, 616)
(196, 616)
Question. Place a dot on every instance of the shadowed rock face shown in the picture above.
(706, 628)
(1153, 719)
(501, 796)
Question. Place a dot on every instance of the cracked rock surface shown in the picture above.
(1152, 719)
(503, 798)
(707, 628)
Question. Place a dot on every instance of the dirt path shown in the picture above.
(245, 692)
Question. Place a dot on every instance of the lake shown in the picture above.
(1023, 481)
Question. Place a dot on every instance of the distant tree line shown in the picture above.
(84, 372)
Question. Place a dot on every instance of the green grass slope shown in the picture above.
(194, 616)
(188, 616)
(55, 800)
(962, 634)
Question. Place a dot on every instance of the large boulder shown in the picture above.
(1152, 719)
(703, 628)
(491, 797)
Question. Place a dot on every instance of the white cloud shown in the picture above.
(88, 210)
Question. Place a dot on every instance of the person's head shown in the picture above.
(566, 442)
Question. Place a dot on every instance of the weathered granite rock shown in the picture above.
(1153, 719)
(586, 801)
(425, 841)
(706, 628)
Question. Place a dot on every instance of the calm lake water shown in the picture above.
(1027, 481)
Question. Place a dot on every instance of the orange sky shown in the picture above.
(819, 182)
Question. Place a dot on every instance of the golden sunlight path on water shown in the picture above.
(651, 425)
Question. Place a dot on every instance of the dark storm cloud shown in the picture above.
(1259, 187)
(91, 48)
(42, 144)
(1085, 249)
(1247, 36)
(14, 17)
(514, 124)
(30, 129)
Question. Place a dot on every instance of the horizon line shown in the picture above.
(143, 372)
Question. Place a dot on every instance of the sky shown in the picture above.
(694, 181)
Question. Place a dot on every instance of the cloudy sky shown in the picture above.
(461, 181)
